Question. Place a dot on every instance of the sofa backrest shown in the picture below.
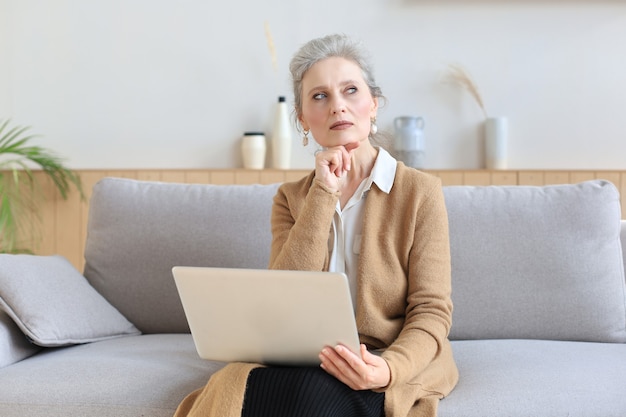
(537, 262)
(139, 230)
(527, 262)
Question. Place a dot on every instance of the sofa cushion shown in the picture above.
(522, 378)
(14, 346)
(53, 304)
(139, 230)
(537, 262)
(147, 375)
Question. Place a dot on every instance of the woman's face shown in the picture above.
(337, 106)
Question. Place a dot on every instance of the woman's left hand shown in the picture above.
(368, 372)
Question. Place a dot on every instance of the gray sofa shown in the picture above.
(539, 326)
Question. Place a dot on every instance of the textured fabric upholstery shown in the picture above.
(53, 304)
(14, 346)
(537, 262)
(127, 377)
(522, 378)
(139, 230)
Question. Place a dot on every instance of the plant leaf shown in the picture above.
(18, 191)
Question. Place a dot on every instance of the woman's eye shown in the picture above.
(351, 90)
(319, 96)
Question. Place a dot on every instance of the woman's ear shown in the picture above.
(305, 125)
(374, 109)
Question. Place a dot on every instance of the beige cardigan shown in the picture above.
(403, 300)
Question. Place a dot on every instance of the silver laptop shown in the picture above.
(266, 316)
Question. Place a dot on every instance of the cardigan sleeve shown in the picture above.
(301, 221)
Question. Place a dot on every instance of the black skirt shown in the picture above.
(306, 392)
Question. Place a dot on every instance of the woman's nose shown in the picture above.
(338, 105)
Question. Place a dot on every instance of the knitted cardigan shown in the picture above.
(403, 300)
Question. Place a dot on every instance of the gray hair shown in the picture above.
(326, 47)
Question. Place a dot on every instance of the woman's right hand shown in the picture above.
(331, 164)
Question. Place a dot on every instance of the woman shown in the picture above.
(385, 226)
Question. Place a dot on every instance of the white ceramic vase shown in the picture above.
(496, 142)
(281, 136)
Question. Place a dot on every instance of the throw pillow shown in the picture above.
(14, 346)
(54, 305)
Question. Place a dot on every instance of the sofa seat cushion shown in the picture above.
(139, 230)
(521, 378)
(537, 262)
(131, 376)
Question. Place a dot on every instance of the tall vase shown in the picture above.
(281, 136)
(496, 138)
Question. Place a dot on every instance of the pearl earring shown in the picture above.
(373, 127)
(305, 138)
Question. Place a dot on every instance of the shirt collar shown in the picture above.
(384, 171)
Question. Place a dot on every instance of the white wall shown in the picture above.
(174, 84)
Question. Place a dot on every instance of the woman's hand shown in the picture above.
(370, 372)
(332, 163)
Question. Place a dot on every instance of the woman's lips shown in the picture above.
(340, 125)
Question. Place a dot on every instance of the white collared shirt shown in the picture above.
(348, 223)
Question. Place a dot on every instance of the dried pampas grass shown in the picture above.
(456, 74)
(270, 45)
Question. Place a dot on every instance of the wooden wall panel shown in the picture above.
(450, 177)
(63, 226)
(622, 189)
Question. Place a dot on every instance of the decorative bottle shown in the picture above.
(281, 136)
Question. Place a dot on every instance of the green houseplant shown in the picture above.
(20, 189)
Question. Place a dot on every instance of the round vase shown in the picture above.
(253, 149)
